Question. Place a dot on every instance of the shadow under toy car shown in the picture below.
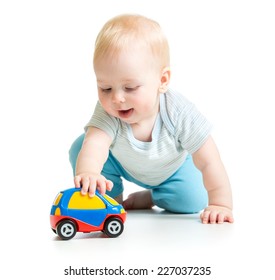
(73, 212)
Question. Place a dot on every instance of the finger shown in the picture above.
(213, 217)
(101, 186)
(205, 217)
(77, 180)
(229, 219)
(85, 182)
(92, 186)
(220, 218)
(109, 185)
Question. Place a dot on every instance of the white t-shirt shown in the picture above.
(180, 129)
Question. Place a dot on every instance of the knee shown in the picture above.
(182, 203)
(74, 150)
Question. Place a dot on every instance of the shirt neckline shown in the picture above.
(155, 135)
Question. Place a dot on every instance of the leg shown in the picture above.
(139, 200)
(111, 170)
(183, 192)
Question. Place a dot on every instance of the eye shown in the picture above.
(130, 89)
(106, 90)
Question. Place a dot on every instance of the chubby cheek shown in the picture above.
(106, 104)
(140, 105)
(143, 105)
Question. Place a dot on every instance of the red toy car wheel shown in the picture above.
(113, 227)
(66, 229)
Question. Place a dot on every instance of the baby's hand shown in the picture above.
(90, 182)
(216, 214)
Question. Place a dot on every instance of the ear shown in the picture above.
(164, 80)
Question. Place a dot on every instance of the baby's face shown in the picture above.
(128, 85)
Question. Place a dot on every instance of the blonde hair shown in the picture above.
(125, 30)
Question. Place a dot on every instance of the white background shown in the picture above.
(222, 59)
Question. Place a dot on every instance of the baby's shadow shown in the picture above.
(159, 213)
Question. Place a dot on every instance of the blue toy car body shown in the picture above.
(73, 212)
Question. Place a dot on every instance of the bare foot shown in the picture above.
(138, 200)
(119, 198)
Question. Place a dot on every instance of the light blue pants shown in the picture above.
(183, 192)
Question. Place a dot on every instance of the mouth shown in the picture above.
(124, 114)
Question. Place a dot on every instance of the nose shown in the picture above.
(118, 97)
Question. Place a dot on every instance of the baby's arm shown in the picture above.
(208, 161)
(90, 161)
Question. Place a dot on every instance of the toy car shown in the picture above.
(73, 212)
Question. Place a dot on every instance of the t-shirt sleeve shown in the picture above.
(102, 120)
(193, 129)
